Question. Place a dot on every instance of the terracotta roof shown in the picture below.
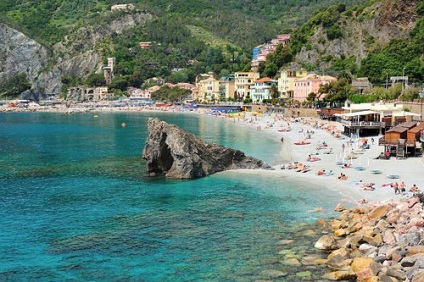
(265, 79)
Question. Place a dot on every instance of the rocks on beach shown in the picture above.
(378, 242)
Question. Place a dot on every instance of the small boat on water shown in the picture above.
(302, 143)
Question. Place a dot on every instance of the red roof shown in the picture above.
(265, 79)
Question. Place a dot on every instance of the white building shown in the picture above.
(262, 89)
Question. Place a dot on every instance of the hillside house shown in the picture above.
(145, 45)
(260, 52)
(361, 83)
(122, 7)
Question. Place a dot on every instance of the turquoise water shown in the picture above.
(76, 206)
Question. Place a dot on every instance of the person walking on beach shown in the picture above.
(402, 187)
(396, 187)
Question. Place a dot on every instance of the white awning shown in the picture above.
(404, 114)
(361, 113)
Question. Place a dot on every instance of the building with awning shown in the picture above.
(362, 123)
(373, 118)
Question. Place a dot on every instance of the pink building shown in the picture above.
(260, 52)
(309, 84)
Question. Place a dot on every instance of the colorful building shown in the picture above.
(287, 79)
(309, 84)
(227, 88)
(262, 89)
(260, 52)
(243, 83)
(208, 89)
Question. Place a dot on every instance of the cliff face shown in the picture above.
(77, 55)
(20, 54)
(362, 31)
(181, 155)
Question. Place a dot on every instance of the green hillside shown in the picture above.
(197, 36)
(243, 23)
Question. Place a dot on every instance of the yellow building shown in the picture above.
(208, 89)
(243, 82)
(286, 81)
(227, 88)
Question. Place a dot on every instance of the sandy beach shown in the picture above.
(328, 150)
(327, 147)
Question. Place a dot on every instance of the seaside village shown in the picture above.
(370, 154)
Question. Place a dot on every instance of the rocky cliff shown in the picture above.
(78, 55)
(20, 54)
(362, 31)
(181, 155)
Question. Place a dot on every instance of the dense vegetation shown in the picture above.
(399, 57)
(14, 86)
(197, 36)
(244, 23)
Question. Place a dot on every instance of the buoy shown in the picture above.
(95, 116)
(123, 124)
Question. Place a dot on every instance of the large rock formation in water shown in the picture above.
(181, 155)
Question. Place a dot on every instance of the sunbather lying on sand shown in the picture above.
(368, 186)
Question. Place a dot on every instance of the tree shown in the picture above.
(179, 76)
(95, 79)
(274, 91)
(311, 97)
(270, 70)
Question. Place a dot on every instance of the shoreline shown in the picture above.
(381, 228)
(363, 163)
(338, 148)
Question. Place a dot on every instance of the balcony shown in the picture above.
(362, 124)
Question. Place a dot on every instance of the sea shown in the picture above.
(76, 205)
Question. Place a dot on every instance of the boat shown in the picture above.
(302, 143)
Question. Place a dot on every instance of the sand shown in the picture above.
(409, 170)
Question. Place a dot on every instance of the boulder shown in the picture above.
(364, 266)
(379, 212)
(339, 208)
(326, 242)
(181, 155)
(340, 275)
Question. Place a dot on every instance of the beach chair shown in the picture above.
(329, 173)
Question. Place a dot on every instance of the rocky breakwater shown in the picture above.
(181, 155)
(380, 242)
